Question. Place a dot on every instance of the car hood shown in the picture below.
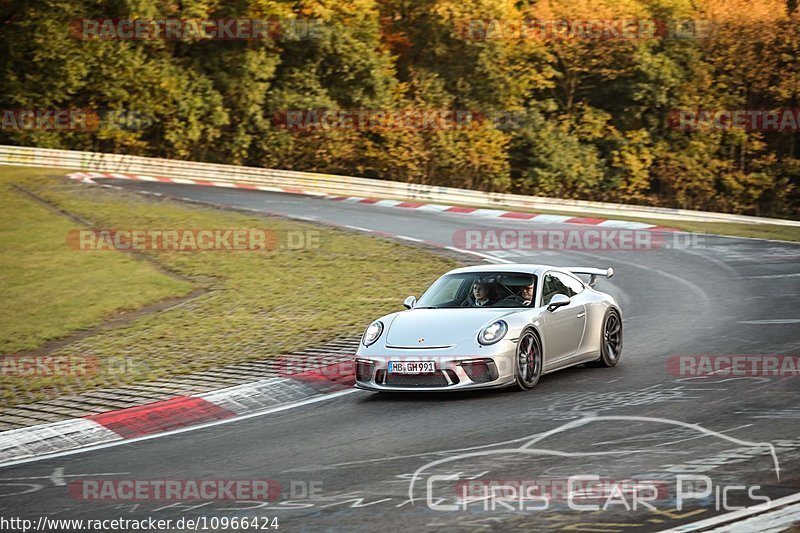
(429, 328)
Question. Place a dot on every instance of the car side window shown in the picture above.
(552, 286)
(574, 286)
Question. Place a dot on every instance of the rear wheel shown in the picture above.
(611, 342)
(528, 360)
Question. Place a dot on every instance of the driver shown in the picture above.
(527, 294)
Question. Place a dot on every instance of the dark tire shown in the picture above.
(610, 340)
(529, 360)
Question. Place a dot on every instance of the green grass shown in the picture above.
(49, 290)
(258, 304)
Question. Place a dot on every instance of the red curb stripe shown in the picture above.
(338, 198)
(410, 205)
(329, 378)
(368, 201)
(203, 182)
(661, 228)
(245, 186)
(515, 214)
(158, 417)
(584, 220)
(456, 209)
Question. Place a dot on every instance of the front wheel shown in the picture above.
(529, 360)
(611, 342)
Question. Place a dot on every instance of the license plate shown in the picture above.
(412, 367)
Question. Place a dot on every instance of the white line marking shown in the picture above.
(771, 276)
(181, 430)
(735, 515)
(772, 321)
(488, 257)
(677, 279)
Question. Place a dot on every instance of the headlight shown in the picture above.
(493, 332)
(373, 332)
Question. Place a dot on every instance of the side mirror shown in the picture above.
(559, 300)
(410, 302)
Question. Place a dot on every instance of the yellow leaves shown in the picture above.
(587, 9)
(740, 12)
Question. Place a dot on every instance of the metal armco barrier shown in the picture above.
(347, 186)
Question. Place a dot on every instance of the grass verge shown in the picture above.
(257, 304)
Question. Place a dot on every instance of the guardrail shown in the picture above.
(347, 185)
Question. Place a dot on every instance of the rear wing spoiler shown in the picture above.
(592, 273)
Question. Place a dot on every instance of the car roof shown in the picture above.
(523, 268)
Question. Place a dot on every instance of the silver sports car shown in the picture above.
(492, 326)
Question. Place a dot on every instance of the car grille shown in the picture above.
(364, 370)
(481, 371)
(415, 380)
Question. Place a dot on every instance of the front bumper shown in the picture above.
(487, 371)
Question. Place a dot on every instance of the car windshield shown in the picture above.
(480, 289)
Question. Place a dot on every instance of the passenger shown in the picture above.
(482, 293)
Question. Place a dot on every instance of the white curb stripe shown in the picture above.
(434, 207)
(387, 203)
(487, 213)
(626, 224)
(550, 219)
(265, 393)
(49, 438)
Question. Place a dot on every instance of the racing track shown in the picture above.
(733, 296)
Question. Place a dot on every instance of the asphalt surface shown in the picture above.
(347, 463)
